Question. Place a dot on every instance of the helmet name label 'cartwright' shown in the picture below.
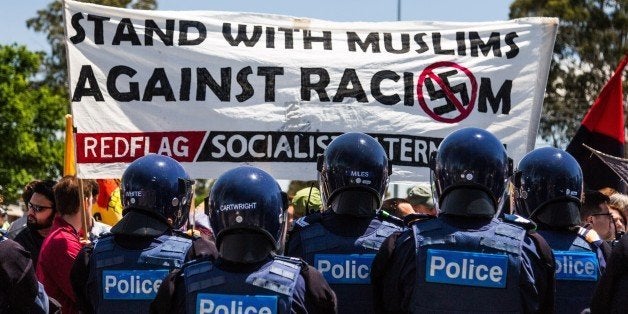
(239, 206)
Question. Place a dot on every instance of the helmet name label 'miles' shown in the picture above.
(573, 265)
(239, 206)
(466, 268)
(209, 303)
(345, 268)
(132, 284)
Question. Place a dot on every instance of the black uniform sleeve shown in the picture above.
(18, 284)
(79, 274)
(393, 274)
(168, 298)
(319, 297)
(537, 280)
(611, 289)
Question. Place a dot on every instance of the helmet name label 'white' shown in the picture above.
(466, 268)
(345, 268)
(133, 193)
(131, 284)
(576, 265)
(209, 303)
(239, 206)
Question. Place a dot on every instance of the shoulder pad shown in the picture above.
(292, 260)
(308, 220)
(519, 221)
(301, 222)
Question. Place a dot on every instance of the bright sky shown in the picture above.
(13, 17)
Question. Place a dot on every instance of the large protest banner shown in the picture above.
(218, 89)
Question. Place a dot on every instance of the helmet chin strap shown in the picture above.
(357, 203)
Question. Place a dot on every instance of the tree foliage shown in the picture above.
(50, 22)
(31, 117)
(34, 99)
(590, 42)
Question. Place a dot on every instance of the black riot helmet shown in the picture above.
(548, 187)
(157, 185)
(470, 171)
(247, 212)
(353, 174)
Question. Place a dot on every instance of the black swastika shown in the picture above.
(439, 94)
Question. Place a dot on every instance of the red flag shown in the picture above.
(606, 116)
(602, 129)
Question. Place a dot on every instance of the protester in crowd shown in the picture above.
(108, 206)
(4, 222)
(420, 197)
(353, 175)
(444, 264)
(20, 223)
(63, 244)
(610, 294)
(540, 183)
(618, 207)
(40, 215)
(247, 210)
(95, 228)
(304, 202)
(595, 215)
(398, 207)
(20, 292)
(144, 244)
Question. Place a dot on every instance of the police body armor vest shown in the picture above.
(269, 289)
(461, 271)
(345, 262)
(577, 270)
(121, 280)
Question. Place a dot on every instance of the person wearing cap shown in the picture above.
(304, 202)
(144, 245)
(420, 197)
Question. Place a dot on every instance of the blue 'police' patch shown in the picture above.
(131, 284)
(345, 268)
(209, 303)
(466, 268)
(576, 265)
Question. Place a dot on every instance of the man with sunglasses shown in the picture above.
(596, 215)
(40, 215)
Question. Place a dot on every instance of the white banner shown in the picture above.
(218, 89)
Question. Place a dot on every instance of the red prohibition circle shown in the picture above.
(429, 72)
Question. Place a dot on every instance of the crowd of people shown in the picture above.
(481, 237)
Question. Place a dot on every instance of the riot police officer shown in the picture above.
(125, 268)
(548, 189)
(247, 211)
(465, 260)
(342, 241)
